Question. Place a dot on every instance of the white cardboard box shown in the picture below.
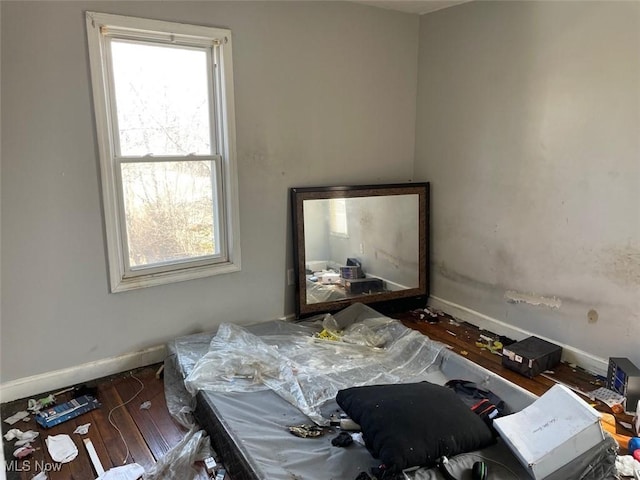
(555, 429)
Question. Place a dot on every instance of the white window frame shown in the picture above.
(338, 223)
(101, 28)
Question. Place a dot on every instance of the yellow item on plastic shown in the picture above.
(327, 335)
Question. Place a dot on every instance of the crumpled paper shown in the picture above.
(82, 429)
(131, 471)
(61, 448)
(22, 437)
(626, 465)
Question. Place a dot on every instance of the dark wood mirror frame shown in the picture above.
(387, 301)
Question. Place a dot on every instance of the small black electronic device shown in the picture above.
(623, 377)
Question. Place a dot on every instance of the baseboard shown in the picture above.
(570, 354)
(59, 379)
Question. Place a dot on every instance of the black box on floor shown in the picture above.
(531, 356)
(363, 285)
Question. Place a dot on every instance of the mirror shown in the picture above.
(367, 244)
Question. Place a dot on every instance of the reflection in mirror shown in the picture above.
(365, 244)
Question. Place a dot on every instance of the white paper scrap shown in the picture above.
(14, 418)
(131, 471)
(40, 476)
(22, 437)
(145, 406)
(61, 448)
(82, 429)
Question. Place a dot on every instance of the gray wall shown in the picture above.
(325, 94)
(528, 127)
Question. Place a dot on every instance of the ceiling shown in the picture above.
(413, 6)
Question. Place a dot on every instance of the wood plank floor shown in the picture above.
(149, 434)
(461, 337)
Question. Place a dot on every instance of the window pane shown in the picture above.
(169, 211)
(162, 99)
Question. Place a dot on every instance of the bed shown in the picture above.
(249, 385)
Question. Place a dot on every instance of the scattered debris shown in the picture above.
(22, 437)
(344, 439)
(464, 352)
(211, 465)
(606, 396)
(61, 448)
(221, 474)
(626, 465)
(453, 322)
(66, 411)
(451, 333)
(23, 451)
(35, 406)
(40, 476)
(358, 438)
(93, 455)
(493, 346)
(307, 430)
(82, 429)
(131, 471)
(145, 405)
(16, 417)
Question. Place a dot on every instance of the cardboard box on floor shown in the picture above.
(552, 431)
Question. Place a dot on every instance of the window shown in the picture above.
(338, 217)
(163, 100)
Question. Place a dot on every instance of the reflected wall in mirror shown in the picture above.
(364, 244)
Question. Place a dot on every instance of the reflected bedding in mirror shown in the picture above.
(359, 243)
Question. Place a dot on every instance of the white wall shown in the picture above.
(528, 127)
(325, 94)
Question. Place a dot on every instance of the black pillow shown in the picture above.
(414, 424)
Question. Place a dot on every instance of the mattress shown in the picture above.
(251, 384)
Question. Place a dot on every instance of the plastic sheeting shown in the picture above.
(307, 371)
(286, 358)
(177, 463)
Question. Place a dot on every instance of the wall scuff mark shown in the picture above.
(532, 299)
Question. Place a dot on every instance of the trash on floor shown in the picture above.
(66, 411)
(23, 451)
(40, 476)
(145, 405)
(131, 471)
(82, 429)
(61, 448)
(35, 406)
(16, 417)
(22, 437)
(93, 456)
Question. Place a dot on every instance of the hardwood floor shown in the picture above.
(461, 337)
(149, 434)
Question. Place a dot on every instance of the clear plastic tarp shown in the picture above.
(246, 375)
(308, 365)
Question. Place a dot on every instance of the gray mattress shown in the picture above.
(248, 422)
